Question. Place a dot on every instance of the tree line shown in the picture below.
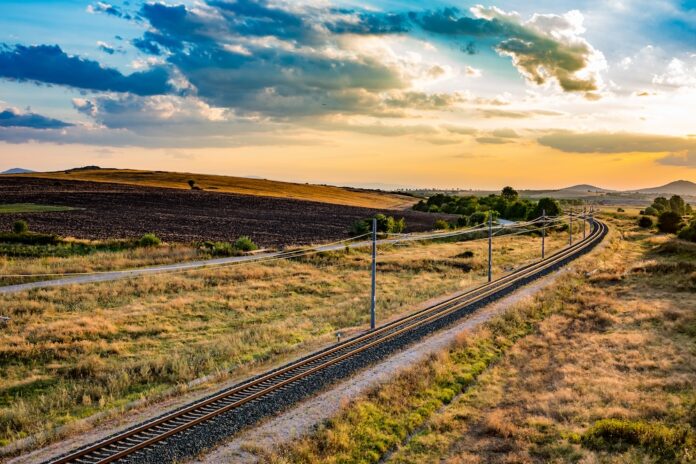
(475, 210)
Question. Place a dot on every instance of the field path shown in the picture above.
(108, 276)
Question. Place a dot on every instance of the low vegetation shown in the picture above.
(14, 208)
(597, 368)
(68, 353)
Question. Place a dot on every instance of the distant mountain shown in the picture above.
(584, 188)
(17, 171)
(679, 187)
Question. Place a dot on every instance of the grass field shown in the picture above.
(598, 368)
(70, 352)
(241, 185)
(11, 208)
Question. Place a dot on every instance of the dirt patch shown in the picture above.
(127, 211)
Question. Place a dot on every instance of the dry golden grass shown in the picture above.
(71, 352)
(607, 352)
(242, 185)
(98, 261)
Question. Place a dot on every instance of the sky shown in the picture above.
(397, 93)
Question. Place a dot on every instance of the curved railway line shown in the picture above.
(191, 429)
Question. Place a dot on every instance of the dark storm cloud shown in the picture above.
(49, 64)
(12, 118)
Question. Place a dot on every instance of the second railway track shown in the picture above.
(191, 429)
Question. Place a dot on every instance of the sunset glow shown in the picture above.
(390, 94)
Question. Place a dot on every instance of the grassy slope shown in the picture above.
(599, 368)
(242, 185)
(70, 352)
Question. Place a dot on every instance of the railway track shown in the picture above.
(192, 428)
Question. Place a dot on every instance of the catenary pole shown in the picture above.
(373, 300)
(570, 228)
(490, 245)
(543, 231)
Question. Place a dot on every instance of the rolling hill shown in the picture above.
(584, 188)
(239, 185)
(17, 171)
(679, 187)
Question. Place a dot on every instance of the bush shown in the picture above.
(478, 217)
(618, 435)
(645, 222)
(620, 210)
(689, 232)
(20, 227)
(149, 240)
(244, 243)
(219, 248)
(650, 211)
(359, 228)
(441, 224)
(465, 254)
(669, 222)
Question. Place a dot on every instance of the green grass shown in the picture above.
(13, 208)
(667, 444)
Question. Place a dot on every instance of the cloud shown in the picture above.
(546, 48)
(112, 10)
(493, 140)
(10, 117)
(616, 142)
(505, 133)
(49, 64)
(424, 101)
(686, 158)
(678, 74)
(106, 48)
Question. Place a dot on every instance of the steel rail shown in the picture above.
(145, 435)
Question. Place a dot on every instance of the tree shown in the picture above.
(510, 194)
(669, 222)
(549, 205)
(660, 204)
(191, 183)
(677, 205)
(517, 210)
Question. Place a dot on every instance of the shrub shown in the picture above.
(191, 183)
(244, 243)
(669, 222)
(441, 224)
(650, 211)
(20, 227)
(465, 254)
(645, 222)
(478, 217)
(359, 227)
(149, 240)
(617, 435)
(689, 232)
(219, 248)
(620, 210)
(399, 226)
